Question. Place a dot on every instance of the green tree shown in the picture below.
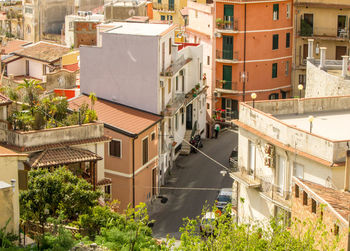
(52, 193)
(31, 88)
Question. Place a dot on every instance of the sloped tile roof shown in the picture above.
(13, 45)
(5, 152)
(125, 118)
(104, 181)
(61, 156)
(4, 100)
(43, 51)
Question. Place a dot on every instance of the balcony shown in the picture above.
(274, 193)
(226, 56)
(163, 7)
(226, 87)
(248, 179)
(307, 30)
(230, 25)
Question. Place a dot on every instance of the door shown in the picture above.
(227, 77)
(189, 117)
(228, 108)
(305, 53)
(308, 26)
(234, 109)
(227, 47)
(228, 16)
(340, 51)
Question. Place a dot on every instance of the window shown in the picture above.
(182, 116)
(313, 206)
(108, 189)
(169, 85)
(275, 42)
(275, 11)
(304, 198)
(162, 17)
(273, 96)
(153, 136)
(159, 1)
(144, 151)
(274, 70)
(169, 46)
(177, 83)
(287, 40)
(251, 160)
(169, 18)
(208, 60)
(281, 173)
(288, 11)
(28, 10)
(176, 122)
(336, 230)
(208, 106)
(287, 68)
(115, 148)
(296, 187)
(302, 79)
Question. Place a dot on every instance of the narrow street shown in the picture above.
(193, 171)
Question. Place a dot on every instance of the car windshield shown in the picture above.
(224, 198)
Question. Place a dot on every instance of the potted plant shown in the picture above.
(219, 23)
(198, 86)
(193, 90)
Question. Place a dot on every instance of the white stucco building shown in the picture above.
(138, 64)
(279, 140)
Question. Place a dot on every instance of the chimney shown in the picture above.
(347, 172)
(344, 72)
(323, 58)
(310, 48)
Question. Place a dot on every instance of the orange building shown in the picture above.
(253, 52)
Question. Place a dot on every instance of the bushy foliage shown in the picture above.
(60, 241)
(7, 238)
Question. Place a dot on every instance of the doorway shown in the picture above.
(340, 51)
(189, 117)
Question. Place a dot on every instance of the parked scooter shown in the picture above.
(196, 142)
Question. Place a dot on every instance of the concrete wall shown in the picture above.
(36, 69)
(54, 135)
(17, 68)
(320, 83)
(60, 79)
(124, 67)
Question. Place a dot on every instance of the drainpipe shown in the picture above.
(344, 72)
(347, 172)
(244, 50)
(133, 173)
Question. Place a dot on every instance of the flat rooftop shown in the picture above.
(142, 29)
(331, 125)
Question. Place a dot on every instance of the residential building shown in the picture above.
(81, 29)
(11, 19)
(314, 204)
(253, 52)
(131, 157)
(44, 19)
(305, 138)
(326, 22)
(123, 9)
(150, 73)
(326, 77)
(41, 61)
(169, 10)
(10, 162)
(200, 29)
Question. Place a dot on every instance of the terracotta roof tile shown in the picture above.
(4, 152)
(12, 46)
(57, 145)
(4, 100)
(43, 51)
(61, 156)
(339, 200)
(104, 181)
(122, 117)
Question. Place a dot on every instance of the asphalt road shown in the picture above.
(193, 171)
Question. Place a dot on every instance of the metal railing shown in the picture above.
(275, 192)
(227, 54)
(162, 6)
(227, 85)
(227, 24)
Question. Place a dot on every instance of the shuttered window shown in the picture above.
(275, 42)
(144, 151)
(287, 40)
(274, 70)
(275, 11)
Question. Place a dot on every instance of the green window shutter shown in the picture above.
(223, 103)
(275, 42)
(227, 47)
(228, 10)
(276, 10)
(227, 77)
(274, 70)
(287, 40)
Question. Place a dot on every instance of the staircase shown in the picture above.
(186, 148)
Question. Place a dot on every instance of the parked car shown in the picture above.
(224, 198)
(233, 160)
(208, 223)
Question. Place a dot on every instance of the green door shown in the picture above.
(228, 16)
(227, 47)
(227, 77)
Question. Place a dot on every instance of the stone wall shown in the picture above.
(320, 83)
(85, 33)
(60, 79)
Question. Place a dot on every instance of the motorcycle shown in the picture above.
(196, 143)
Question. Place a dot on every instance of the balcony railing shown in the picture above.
(164, 7)
(226, 85)
(227, 24)
(306, 30)
(227, 55)
(246, 177)
(276, 194)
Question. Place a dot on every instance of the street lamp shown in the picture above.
(253, 96)
(311, 118)
(300, 87)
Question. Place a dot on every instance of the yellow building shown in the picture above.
(325, 21)
(9, 185)
(170, 10)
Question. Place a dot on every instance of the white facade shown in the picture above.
(139, 65)
(275, 145)
(19, 68)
